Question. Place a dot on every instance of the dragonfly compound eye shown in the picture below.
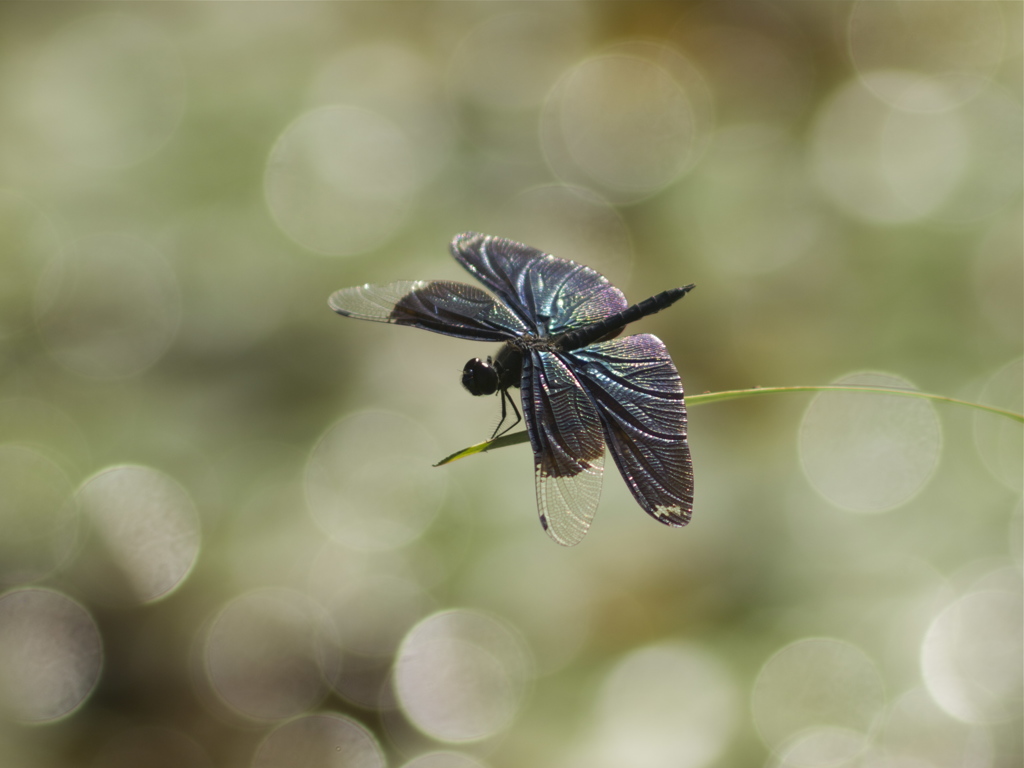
(480, 378)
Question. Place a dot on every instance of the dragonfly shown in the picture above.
(582, 386)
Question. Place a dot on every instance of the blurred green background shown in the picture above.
(222, 542)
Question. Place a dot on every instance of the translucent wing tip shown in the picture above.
(341, 299)
(567, 536)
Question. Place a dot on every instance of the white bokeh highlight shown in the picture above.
(885, 163)
(460, 676)
(146, 524)
(646, 144)
(671, 705)
(373, 600)
(869, 451)
(997, 438)
(916, 728)
(971, 657)
(444, 759)
(823, 748)
(370, 483)
(373, 614)
(341, 180)
(817, 683)
(628, 122)
(267, 652)
(323, 740)
(398, 83)
(51, 654)
(960, 44)
(551, 602)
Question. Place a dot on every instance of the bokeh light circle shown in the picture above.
(460, 676)
(444, 759)
(961, 44)
(971, 657)
(398, 83)
(374, 613)
(323, 740)
(267, 652)
(998, 439)
(870, 451)
(888, 164)
(373, 599)
(38, 516)
(108, 307)
(147, 529)
(341, 180)
(916, 728)
(664, 706)
(923, 156)
(628, 122)
(51, 654)
(813, 683)
(551, 602)
(994, 139)
(370, 483)
(108, 91)
(823, 748)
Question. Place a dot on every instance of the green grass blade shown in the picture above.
(713, 397)
(501, 442)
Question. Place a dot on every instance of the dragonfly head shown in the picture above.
(479, 377)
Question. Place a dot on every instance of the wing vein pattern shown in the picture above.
(548, 295)
(639, 398)
(441, 306)
(568, 446)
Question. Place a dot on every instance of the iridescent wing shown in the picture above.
(548, 295)
(639, 399)
(568, 446)
(442, 306)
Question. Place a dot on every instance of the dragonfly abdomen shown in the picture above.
(610, 326)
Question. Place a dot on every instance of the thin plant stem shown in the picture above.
(713, 397)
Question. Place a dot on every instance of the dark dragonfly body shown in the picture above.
(582, 387)
(505, 370)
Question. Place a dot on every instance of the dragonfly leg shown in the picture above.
(519, 417)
